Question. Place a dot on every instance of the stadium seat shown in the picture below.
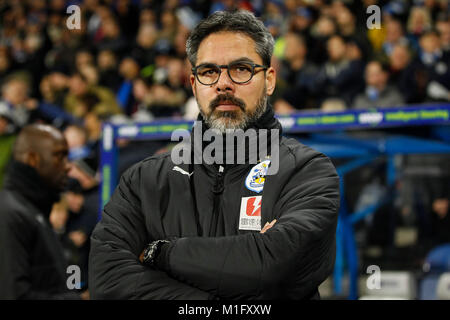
(443, 287)
(438, 259)
(428, 286)
(394, 285)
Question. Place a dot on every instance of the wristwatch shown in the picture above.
(152, 251)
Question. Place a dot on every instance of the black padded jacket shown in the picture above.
(210, 256)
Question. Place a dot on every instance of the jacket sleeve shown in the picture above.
(16, 238)
(115, 271)
(290, 260)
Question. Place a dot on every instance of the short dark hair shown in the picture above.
(235, 21)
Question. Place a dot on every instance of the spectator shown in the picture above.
(324, 28)
(401, 71)
(441, 219)
(16, 101)
(77, 142)
(273, 17)
(431, 80)
(147, 16)
(48, 109)
(178, 78)
(167, 94)
(127, 11)
(378, 93)
(349, 29)
(395, 35)
(111, 37)
(169, 25)
(79, 87)
(180, 41)
(20, 109)
(141, 90)
(6, 64)
(301, 22)
(93, 124)
(23, 109)
(340, 76)
(83, 57)
(144, 51)
(30, 49)
(333, 105)
(82, 198)
(91, 74)
(443, 28)
(53, 88)
(299, 73)
(129, 71)
(108, 74)
(7, 138)
(419, 21)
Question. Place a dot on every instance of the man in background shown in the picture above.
(378, 93)
(32, 264)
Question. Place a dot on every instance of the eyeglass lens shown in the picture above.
(239, 72)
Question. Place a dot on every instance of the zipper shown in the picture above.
(194, 200)
(218, 186)
(217, 190)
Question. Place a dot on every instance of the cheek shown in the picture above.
(251, 95)
(55, 167)
(204, 96)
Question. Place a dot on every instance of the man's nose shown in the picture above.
(225, 84)
(67, 165)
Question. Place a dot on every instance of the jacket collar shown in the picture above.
(25, 180)
(266, 121)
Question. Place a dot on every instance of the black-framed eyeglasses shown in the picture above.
(240, 72)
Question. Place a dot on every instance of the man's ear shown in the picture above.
(32, 159)
(192, 80)
(271, 79)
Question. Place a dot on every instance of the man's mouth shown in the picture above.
(227, 106)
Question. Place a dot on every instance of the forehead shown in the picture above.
(53, 142)
(374, 67)
(224, 47)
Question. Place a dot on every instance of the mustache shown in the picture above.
(226, 98)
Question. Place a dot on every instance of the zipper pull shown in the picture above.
(218, 187)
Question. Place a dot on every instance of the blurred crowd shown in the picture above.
(127, 62)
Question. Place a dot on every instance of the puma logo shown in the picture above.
(177, 168)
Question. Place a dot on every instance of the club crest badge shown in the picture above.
(257, 176)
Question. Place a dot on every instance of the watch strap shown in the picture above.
(152, 251)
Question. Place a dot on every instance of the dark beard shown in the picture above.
(228, 120)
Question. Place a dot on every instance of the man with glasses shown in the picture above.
(222, 230)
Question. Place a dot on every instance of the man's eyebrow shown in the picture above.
(241, 59)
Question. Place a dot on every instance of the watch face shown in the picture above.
(152, 250)
(148, 253)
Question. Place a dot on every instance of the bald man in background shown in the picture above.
(32, 264)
